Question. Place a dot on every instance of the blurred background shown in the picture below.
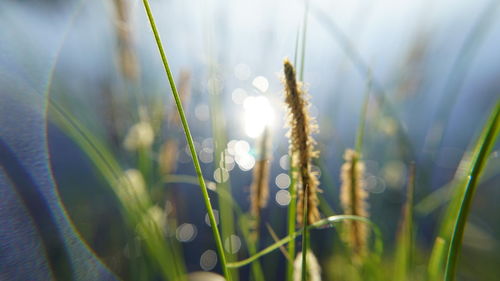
(432, 69)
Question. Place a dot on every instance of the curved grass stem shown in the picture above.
(190, 142)
(319, 224)
(478, 161)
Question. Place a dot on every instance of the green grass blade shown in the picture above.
(437, 260)
(158, 248)
(292, 215)
(403, 258)
(305, 238)
(362, 121)
(324, 223)
(189, 139)
(478, 161)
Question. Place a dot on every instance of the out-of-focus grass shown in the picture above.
(145, 217)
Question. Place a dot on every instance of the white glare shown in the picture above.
(282, 181)
(208, 260)
(258, 114)
(283, 197)
(285, 162)
(261, 83)
(186, 232)
(221, 175)
(239, 96)
(232, 244)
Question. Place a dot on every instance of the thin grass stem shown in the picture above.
(305, 238)
(189, 139)
(324, 223)
(292, 216)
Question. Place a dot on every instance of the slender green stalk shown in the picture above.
(404, 246)
(292, 207)
(305, 239)
(326, 222)
(296, 53)
(190, 142)
(292, 216)
(478, 162)
(362, 121)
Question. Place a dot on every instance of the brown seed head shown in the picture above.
(353, 199)
(260, 183)
(301, 144)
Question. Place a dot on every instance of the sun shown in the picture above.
(258, 114)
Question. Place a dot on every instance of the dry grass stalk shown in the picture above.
(301, 144)
(260, 183)
(126, 55)
(353, 200)
(168, 157)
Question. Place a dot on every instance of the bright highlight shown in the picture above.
(258, 114)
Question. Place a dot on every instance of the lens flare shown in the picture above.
(258, 114)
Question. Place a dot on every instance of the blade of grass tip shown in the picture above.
(189, 139)
(437, 260)
(403, 260)
(321, 224)
(479, 160)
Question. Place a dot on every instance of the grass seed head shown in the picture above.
(301, 125)
(353, 199)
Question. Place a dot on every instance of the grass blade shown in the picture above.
(403, 261)
(478, 161)
(321, 224)
(189, 139)
(437, 260)
(163, 251)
